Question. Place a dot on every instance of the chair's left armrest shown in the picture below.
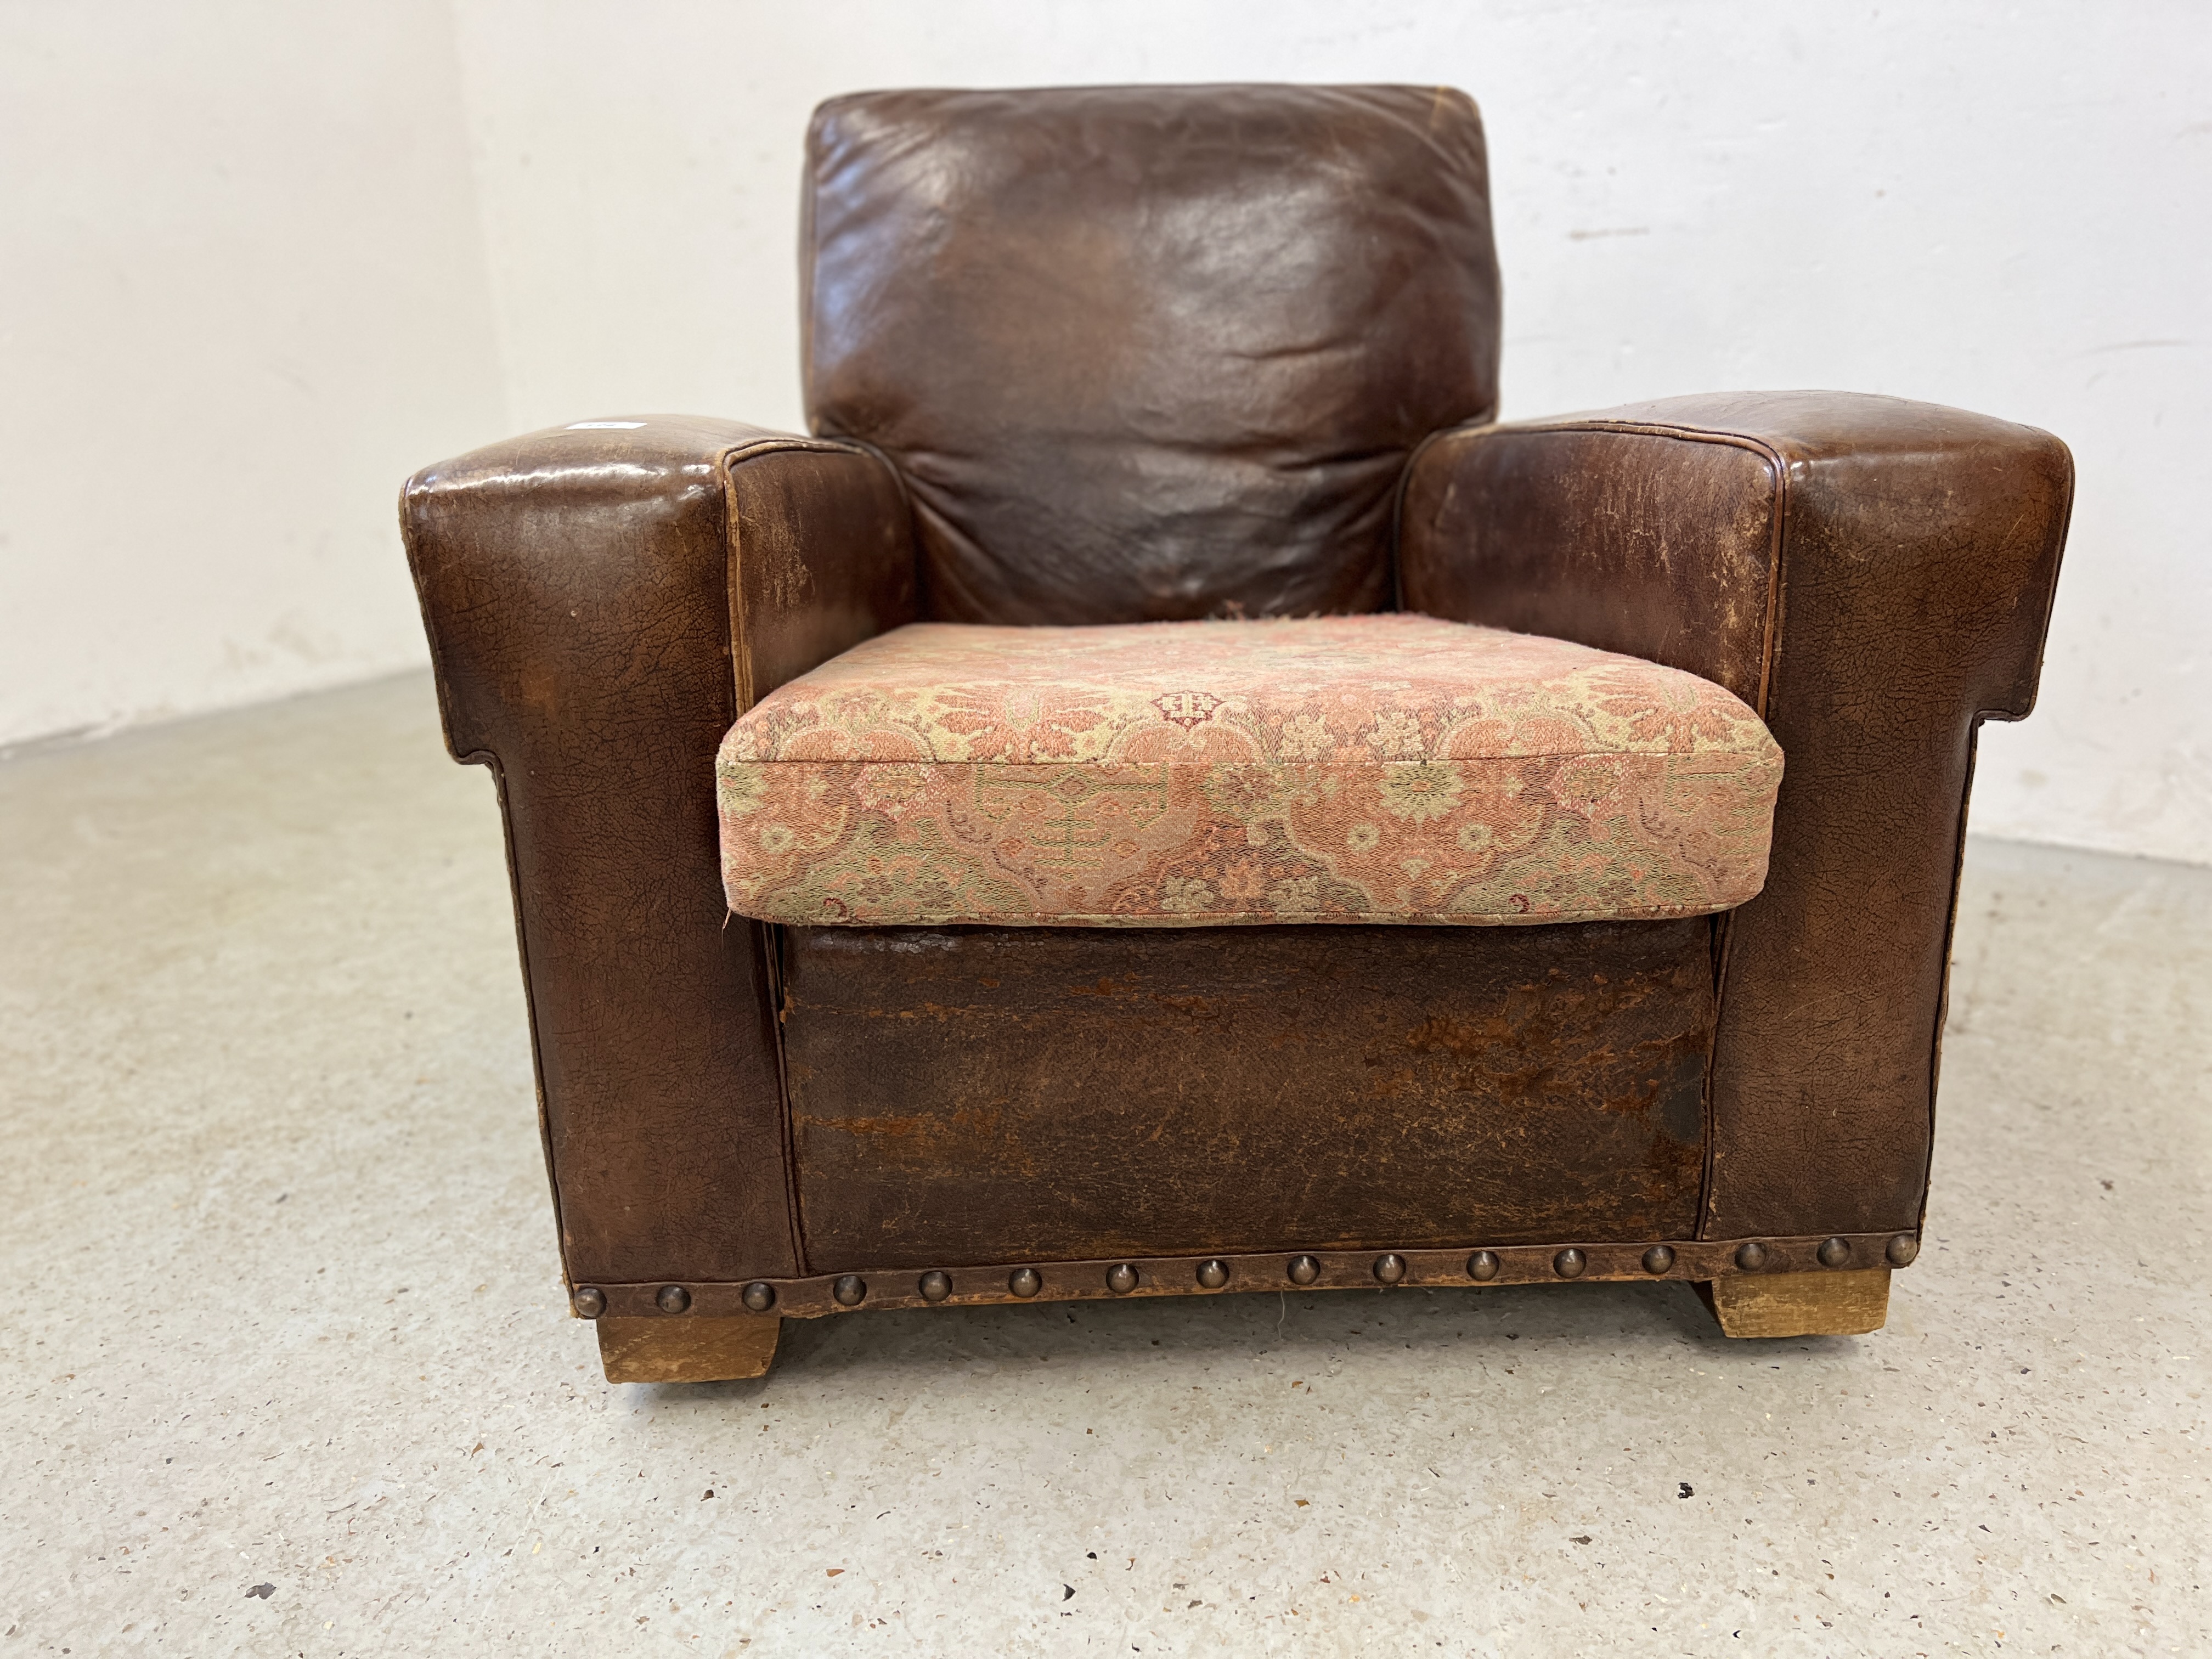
(1874, 577)
(603, 601)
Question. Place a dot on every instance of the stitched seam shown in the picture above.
(1272, 918)
(1779, 473)
(773, 441)
(1285, 766)
(487, 758)
(529, 1011)
(1770, 652)
(1398, 505)
(740, 620)
(764, 941)
(1959, 865)
(1943, 990)
(767, 936)
(733, 592)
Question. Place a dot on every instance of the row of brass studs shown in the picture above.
(851, 1290)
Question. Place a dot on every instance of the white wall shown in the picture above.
(1999, 207)
(241, 296)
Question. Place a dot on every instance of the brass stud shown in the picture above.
(1834, 1252)
(1658, 1259)
(1390, 1268)
(848, 1291)
(1024, 1282)
(758, 1297)
(1482, 1265)
(1902, 1249)
(1121, 1278)
(1305, 1269)
(1751, 1257)
(589, 1302)
(1570, 1263)
(934, 1286)
(673, 1298)
(1214, 1275)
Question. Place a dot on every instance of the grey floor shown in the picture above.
(285, 1367)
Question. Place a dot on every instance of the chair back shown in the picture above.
(1150, 353)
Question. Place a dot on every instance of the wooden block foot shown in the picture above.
(1846, 1302)
(687, 1348)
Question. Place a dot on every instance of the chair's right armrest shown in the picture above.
(1874, 577)
(603, 601)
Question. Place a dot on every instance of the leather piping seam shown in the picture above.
(768, 934)
(2050, 604)
(485, 757)
(1943, 983)
(765, 942)
(1959, 848)
(482, 756)
(445, 708)
(1769, 654)
(1398, 502)
(1771, 664)
(1779, 469)
(726, 463)
(1769, 668)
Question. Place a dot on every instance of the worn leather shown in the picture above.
(1876, 577)
(971, 1095)
(1150, 353)
(578, 588)
(822, 557)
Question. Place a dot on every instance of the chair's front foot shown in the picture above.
(1837, 1304)
(688, 1350)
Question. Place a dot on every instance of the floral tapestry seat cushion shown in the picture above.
(1375, 768)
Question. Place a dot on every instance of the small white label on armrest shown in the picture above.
(603, 426)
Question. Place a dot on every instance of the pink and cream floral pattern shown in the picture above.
(1387, 767)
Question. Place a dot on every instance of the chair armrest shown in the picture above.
(602, 603)
(1875, 578)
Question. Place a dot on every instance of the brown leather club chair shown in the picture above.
(1027, 953)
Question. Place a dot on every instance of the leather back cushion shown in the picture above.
(1150, 353)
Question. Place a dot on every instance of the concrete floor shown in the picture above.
(286, 1368)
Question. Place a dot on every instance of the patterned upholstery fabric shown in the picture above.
(1386, 767)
